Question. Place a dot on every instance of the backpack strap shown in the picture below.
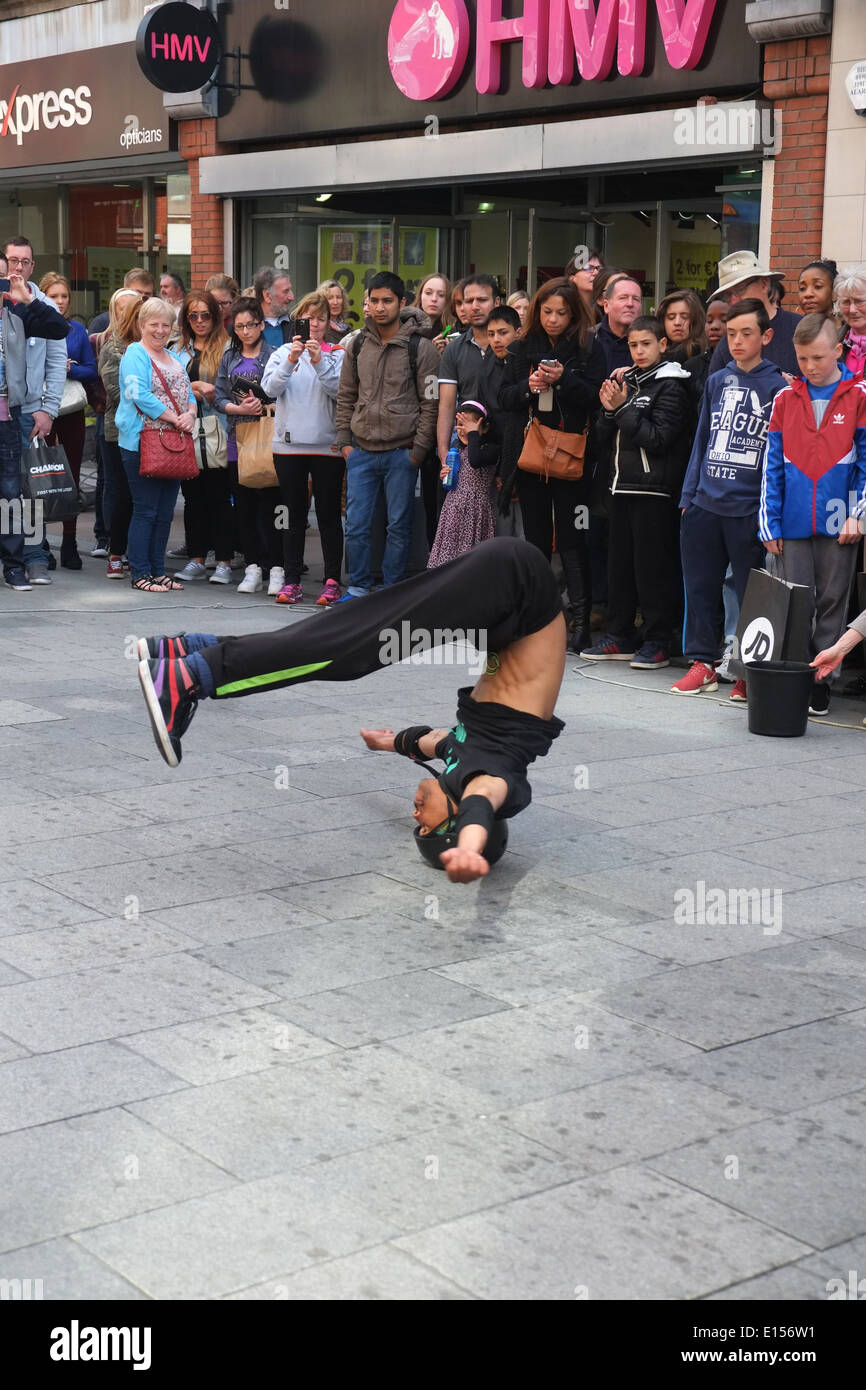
(414, 340)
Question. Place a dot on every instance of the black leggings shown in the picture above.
(293, 471)
(503, 588)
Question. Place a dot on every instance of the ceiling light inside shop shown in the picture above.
(323, 197)
(486, 207)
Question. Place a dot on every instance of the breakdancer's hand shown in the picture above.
(380, 740)
(464, 865)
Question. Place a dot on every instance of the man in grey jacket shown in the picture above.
(386, 425)
(24, 319)
(45, 380)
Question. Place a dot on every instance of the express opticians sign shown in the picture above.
(429, 41)
(84, 106)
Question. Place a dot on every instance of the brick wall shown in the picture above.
(197, 139)
(797, 81)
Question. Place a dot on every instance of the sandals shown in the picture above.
(155, 584)
(168, 582)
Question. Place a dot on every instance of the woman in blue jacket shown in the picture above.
(69, 428)
(144, 404)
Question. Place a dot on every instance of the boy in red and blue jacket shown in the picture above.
(813, 491)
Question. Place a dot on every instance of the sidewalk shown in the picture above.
(253, 1047)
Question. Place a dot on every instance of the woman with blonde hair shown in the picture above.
(338, 304)
(433, 298)
(225, 291)
(69, 428)
(155, 392)
(123, 329)
(519, 301)
(208, 521)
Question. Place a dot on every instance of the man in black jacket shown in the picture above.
(645, 425)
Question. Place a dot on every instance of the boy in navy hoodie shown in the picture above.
(722, 490)
(814, 487)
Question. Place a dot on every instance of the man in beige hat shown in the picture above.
(741, 276)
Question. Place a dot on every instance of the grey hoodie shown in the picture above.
(379, 406)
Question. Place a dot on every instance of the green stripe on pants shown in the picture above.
(256, 682)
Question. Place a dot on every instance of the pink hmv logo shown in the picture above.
(428, 41)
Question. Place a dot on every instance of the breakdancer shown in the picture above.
(503, 591)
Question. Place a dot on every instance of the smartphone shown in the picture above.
(549, 362)
(5, 286)
(302, 329)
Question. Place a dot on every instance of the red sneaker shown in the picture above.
(739, 691)
(699, 677)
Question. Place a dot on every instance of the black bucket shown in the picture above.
(779, 693)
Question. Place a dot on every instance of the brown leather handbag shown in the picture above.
(166, 452)
(552, 453)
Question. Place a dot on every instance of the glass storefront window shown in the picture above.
(173, 236)
(105, 234)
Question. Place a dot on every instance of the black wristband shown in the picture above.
(475, 810)
(406, 741)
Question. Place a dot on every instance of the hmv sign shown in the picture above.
(377, 65)
(429, 41)
(178, 47)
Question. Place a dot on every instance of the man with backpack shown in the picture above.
(386, 424)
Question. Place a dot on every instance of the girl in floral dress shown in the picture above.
(468, 515)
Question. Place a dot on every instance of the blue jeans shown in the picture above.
(153, 503)
(11, 537)
(36, 552)
(366, 475)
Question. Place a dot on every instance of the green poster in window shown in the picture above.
(352, 255)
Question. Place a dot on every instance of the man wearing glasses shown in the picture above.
(45, 379)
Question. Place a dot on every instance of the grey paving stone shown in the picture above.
(826, 855)
(55, 819)
(29, 906)
(726, 1001)
(378, 1273)
(61, 1270)
(16, 712)
(787, 1070)
(221, 920)
(629, 1234)
(10, 1050)
(694, 945)
(287, 1117)
(75, 852)
(211, 1246)
(325, 854)
(61, 1177)
(712, 831)
(793, 1283)
(426, 1179)
(179, 878)
(334, 955)
(87, 946)
(227, 1045)
(65, 1011)
(801, 1173)
(825, 911)
(517, 1057)
(651, 886)
(175, 798)
(829, 962)
(55, 1085)
(356, 895)
(560, 967)
(629, 1118)
(387, 1008)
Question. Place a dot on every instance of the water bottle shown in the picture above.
(452, 464)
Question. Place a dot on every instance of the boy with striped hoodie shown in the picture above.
(813, 491)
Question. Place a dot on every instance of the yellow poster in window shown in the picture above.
(693, 264)
(352, 255)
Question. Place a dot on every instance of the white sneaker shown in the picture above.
(222, 574)
(252, 580)
(723, 672)
(276, 581)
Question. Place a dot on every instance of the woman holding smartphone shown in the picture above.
(69, 427)
(304, 376)
(554, 372)
(238, 394)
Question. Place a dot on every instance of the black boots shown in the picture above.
(578, 579)
(69, 556)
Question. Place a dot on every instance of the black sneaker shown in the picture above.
(819, 702)
(69, 556)
(17, 579)
(156, 648)
(171, 697)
